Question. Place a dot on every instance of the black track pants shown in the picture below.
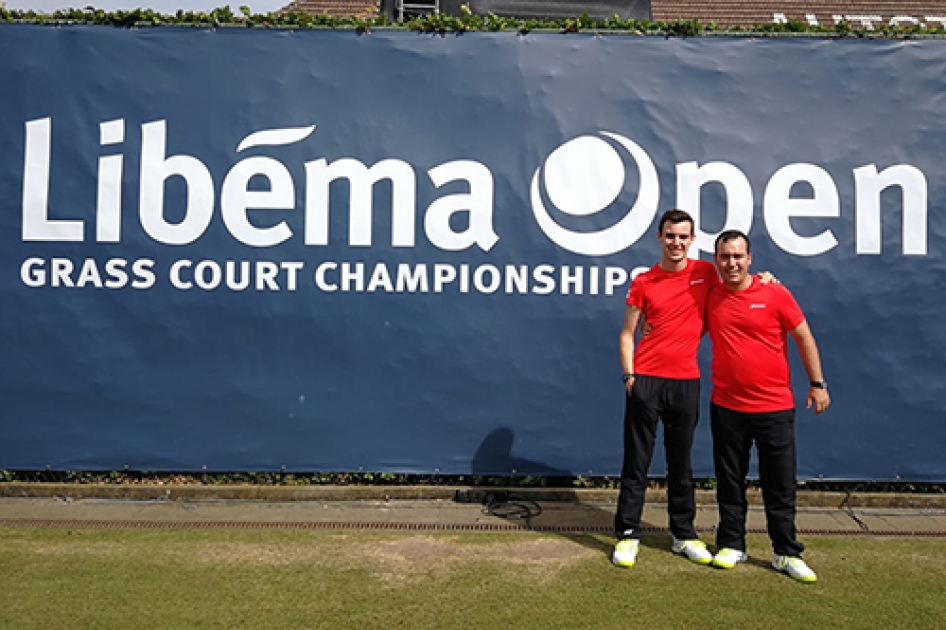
(676, 402)
(774, 437)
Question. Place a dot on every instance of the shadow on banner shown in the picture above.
(494, 457)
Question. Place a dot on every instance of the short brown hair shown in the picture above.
(676, 216)
(732, 235)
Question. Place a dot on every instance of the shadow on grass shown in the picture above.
(494, 457)
(599, 543)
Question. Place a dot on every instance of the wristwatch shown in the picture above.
(819, 384)
(627, 376)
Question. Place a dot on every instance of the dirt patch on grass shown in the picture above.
(256, 554)
(405, 560)
(396, 560)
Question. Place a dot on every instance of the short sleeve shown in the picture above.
(789, 313)
(635, 295)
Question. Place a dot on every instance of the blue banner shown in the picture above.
(249, 250)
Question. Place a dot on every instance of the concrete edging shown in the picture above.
(247, 492)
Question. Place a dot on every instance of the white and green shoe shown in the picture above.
(794, 568)
(694, 550)
(727, 558)
(625, 552)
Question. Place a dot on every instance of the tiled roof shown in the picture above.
(336, 8)
(751, 12)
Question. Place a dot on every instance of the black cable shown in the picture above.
(849, 509)
(505, 505)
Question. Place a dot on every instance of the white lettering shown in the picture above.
(690, 180)
(356, 276)
(235, 275)
(868, 186)
(412, 283)
(237, 282)
(144, 274)
(321, 282)
(175, 274)
(443, 275)
(487, 286)
(477, 204)
(207, 275)
(361, 179)
(779, 207)
(33, 272)
(89, 274)
(37, 226)
(266, 273)
(456, 221)
(571, 279)
(236, 199)
(115, 270)
(380, 278)
(546, 281)
(517, 279)
(292, 270)
(155, 171)
(899, 20)
(61, 272)
(108, 206)
(614, 278)
(867, 21)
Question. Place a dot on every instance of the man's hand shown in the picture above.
(767, 277)
(629, 385)
(820, 398)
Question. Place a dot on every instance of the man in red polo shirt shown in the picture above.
(752, 401)
(662, 379)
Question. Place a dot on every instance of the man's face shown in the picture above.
(733, 261)
(676, 239)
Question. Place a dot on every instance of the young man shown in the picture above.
(752, 401)
(662, 380)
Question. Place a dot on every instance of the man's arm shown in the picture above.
(632, 318)
(812, 360)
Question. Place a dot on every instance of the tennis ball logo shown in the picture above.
(586, 176)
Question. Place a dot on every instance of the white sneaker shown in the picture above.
(695, 550)
(625, 552)
(795, 568)
(727, 558)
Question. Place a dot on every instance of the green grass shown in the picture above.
(54, 579)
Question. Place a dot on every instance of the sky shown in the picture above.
(162, 6)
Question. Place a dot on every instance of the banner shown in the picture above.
(322, 251)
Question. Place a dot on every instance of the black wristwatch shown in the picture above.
(627, 376)
(819, 384)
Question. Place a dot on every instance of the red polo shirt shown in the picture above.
(750, 362)
(673, 303)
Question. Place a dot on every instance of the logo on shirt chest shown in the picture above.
(700, 281)
(752, 306)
